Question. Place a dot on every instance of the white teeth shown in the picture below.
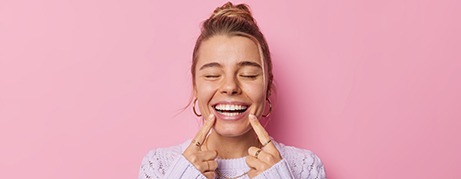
(228, 107)
(230, 113)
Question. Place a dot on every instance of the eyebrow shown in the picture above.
(248, 63)
(208, 65)
(243, 63)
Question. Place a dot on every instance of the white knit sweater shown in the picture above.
(170, 163)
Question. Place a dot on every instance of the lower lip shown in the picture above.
(231, 118)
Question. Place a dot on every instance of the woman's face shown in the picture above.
(230, 82)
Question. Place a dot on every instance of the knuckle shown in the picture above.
(210, 152)
(214, 154)
(209, 174)
(193, 158)
(269, 158)
(252, 173)
(200, 167)
(252, 150)
(248, 160)
(186, 152)
(214, 165)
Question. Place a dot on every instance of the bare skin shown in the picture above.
(203, 158)
(230, 71)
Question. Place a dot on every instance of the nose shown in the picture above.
(230, 86)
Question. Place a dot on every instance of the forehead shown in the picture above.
(228, 50)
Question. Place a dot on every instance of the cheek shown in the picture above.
(256, 93)
(205, 92)
(257, 96)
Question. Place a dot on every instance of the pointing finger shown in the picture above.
(263, 156)
(202, 133)
(262, 134)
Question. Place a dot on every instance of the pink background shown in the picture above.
(88, 87)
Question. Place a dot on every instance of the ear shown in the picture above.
(269, 89)
(194, 91)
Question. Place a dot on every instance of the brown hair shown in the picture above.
(234, 20)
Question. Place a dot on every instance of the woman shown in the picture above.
(232, 79)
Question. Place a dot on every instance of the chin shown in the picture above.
(231, 130)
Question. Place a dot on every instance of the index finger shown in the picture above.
(202, 133)
(262, 134)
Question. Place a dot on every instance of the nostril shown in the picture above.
(230, 91)
(230, 88)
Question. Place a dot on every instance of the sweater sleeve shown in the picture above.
(167, 164)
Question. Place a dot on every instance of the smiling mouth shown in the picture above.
(230, 109)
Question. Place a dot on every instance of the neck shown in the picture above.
(231, 147)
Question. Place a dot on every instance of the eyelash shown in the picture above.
(249, 76)
(212, 76)
(243, 76)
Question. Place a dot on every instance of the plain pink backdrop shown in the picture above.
(88, 87)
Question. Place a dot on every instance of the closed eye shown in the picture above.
(249, 76)
(211, 76)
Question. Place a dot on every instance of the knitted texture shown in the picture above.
(170, 163)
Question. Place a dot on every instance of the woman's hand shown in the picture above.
(261, 159)
(204, 161)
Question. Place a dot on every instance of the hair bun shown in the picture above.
(230, 10)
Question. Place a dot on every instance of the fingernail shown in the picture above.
(252, 117)
(211, 116)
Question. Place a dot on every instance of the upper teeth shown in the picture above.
(229, 107)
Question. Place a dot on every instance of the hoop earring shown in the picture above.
(193, 109)
(270, 108)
